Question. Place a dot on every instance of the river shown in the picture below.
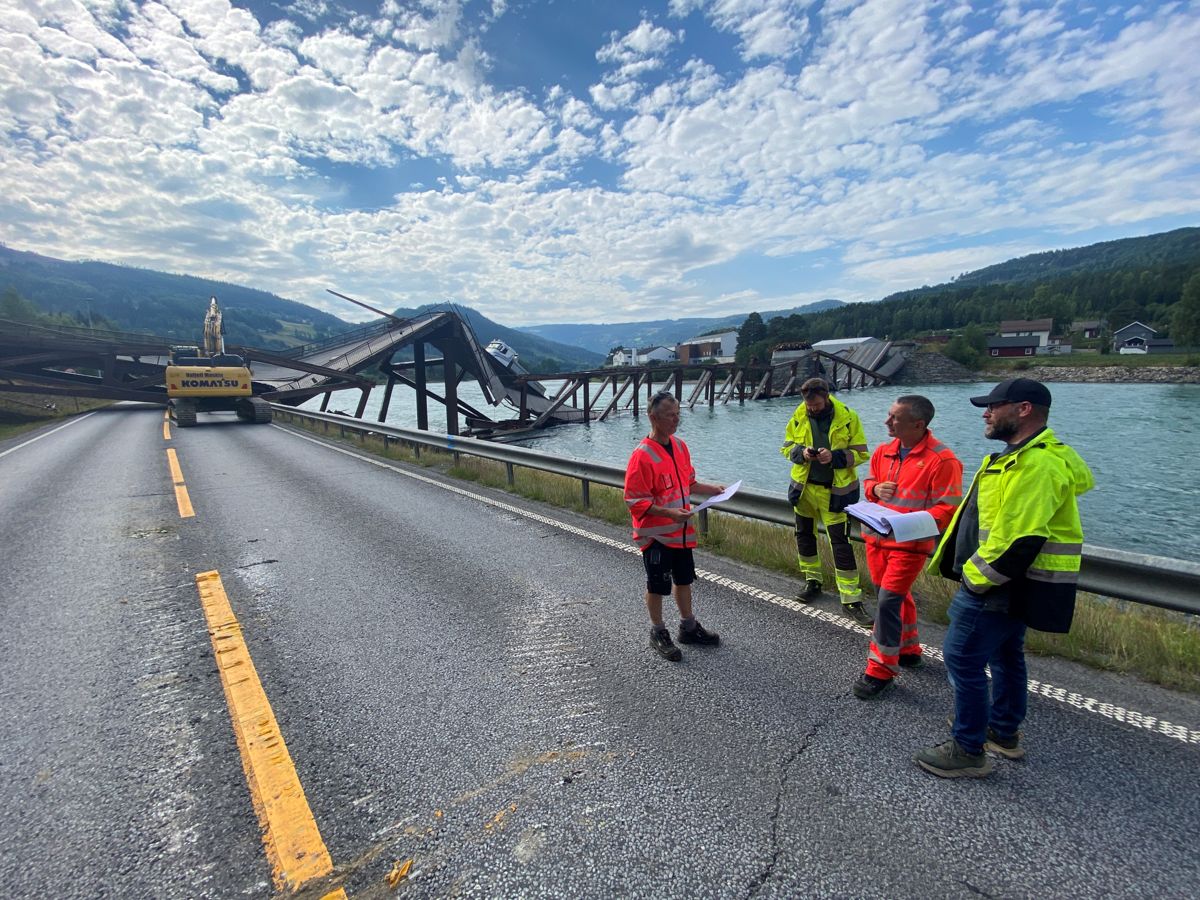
(1139, 440)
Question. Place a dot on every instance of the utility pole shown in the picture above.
(88, 301)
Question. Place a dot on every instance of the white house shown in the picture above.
(643, 356)
(1039, 328)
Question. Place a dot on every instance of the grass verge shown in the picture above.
(1156, 645)
(24, 412)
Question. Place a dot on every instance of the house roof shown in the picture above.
(853, 340)
(1084, 324)
(708, 338)
(996, 341)
(1027, 325)
(1130, 325)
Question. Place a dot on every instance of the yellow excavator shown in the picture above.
(212, 380)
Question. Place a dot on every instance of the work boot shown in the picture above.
(949, 760)
(660, 640)
(868, 687)
(1009, 748)
(810, 591)
(698, 635)
(912, 661)
(858, 613)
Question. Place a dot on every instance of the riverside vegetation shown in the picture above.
(1159, 646)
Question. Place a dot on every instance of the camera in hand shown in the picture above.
(811, 451)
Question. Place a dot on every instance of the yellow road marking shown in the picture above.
(290, 834)
(181, 492)
(166, 429)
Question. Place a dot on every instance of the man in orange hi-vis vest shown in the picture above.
(658, 482)
(911, 472)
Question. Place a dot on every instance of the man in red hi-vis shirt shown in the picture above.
(658, 481)
(911, 472)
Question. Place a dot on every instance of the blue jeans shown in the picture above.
(978, 638)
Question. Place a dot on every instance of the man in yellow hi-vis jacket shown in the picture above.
(825, 442)
(1015, 546)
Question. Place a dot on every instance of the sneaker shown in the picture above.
(858, 613)
(661, 641)
(868, 687)
(1009, 748)
(948, 760)
(812, 590)
(912, 661)
(697, 634)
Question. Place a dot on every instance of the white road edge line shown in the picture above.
(1036, 688)
(45, 434)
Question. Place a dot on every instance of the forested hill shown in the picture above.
(1140, 279)
(128, 299)
(1131, 253)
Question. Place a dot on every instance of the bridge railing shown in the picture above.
(1156, 581)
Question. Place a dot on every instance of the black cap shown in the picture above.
(1014, 390)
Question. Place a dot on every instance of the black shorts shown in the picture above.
(664, 564)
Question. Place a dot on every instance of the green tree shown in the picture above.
(752, 331)
(1185, 315)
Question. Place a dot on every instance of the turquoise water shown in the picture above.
(1140, 441)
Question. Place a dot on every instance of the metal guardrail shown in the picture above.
(1157, 581)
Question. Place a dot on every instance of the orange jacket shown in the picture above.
(656, 478)
(929, 477)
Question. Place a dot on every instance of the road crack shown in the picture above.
(760, 880)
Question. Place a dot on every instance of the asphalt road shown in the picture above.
(462, 679)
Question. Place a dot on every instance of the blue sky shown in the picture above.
(558, 161)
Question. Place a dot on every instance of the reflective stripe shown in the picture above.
(1058, 549)
(949, 500)
(988, 572)
(655, 530)
(649, 451)
(862, 448)
(1052, 577)
(845, 489)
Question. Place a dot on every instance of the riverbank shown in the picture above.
(934, 368)
(1103, 374)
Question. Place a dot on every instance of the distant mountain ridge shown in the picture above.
(538, 354)
(661, 332)
(161, 303)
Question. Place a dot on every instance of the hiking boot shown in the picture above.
(1009, 748)
(810, 591)
(912, 661)
(697, 634)
(949, 760)
(660, 640)
(868, 687)
(858, 613)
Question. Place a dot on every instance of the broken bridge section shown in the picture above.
(84, 362)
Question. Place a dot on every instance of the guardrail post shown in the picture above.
(702, 525)
(587, 492)
(509, 473)
(416, 449)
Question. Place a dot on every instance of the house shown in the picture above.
(1138, 338)
(721, 347)
(837, 345)
(1012, 345)
(1087, 328)
(1039, 328)
(643, 356)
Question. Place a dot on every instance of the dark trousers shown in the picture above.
(976, 639)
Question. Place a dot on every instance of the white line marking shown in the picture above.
(45, 434)
(1036, 688)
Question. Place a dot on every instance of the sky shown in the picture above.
(576, 161)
